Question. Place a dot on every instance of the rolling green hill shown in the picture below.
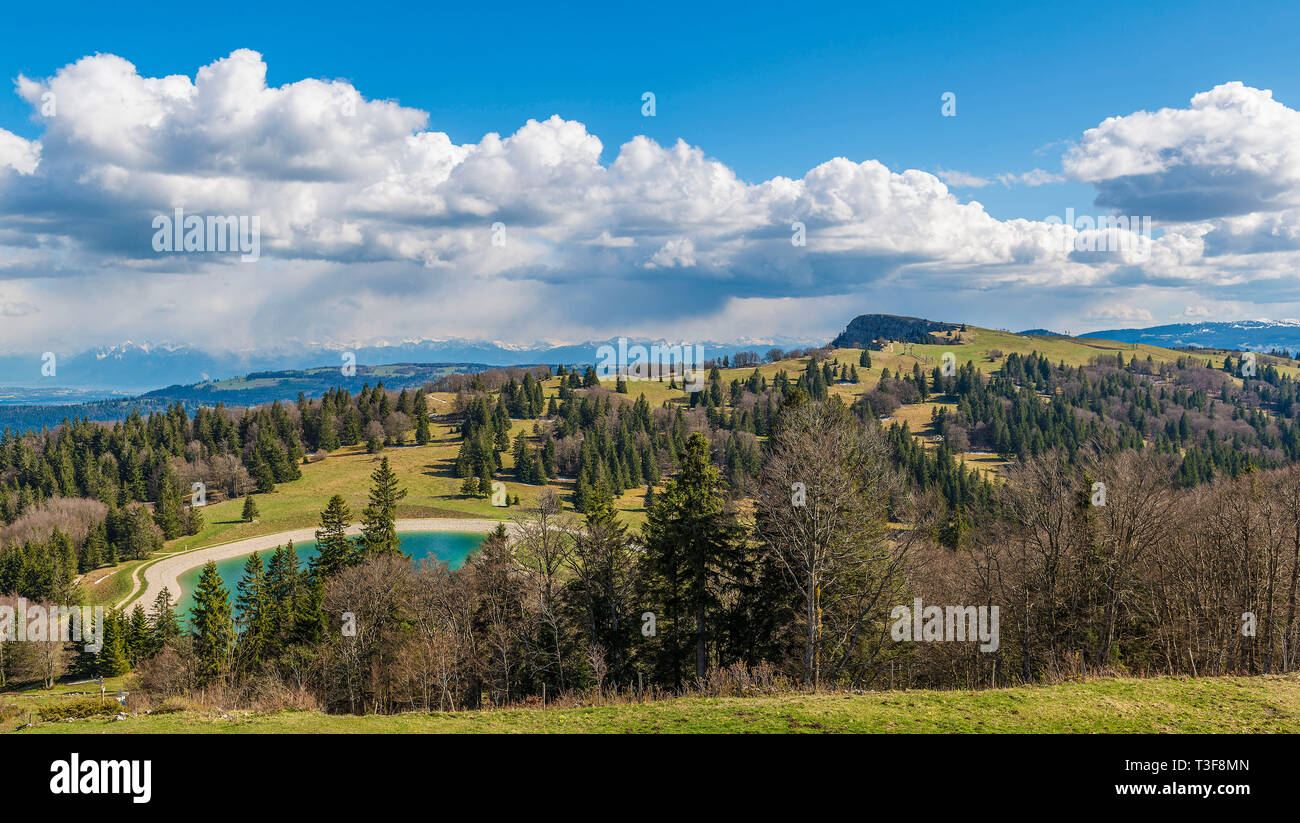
(434, 489)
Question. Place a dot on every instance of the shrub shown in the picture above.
(882, 403)
(173, 704)
(80, 708)
(738, 680)
(165, 673)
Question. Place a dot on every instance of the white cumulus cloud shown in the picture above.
(372, 219)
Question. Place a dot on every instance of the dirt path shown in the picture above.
(166, 571)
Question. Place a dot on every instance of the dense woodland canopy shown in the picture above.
(140, 473)
(1199, 536)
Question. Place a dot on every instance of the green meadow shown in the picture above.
(1265, 704)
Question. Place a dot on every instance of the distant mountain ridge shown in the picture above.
(139, 370)
(1242, 335)
(134, 368)
(252, 390)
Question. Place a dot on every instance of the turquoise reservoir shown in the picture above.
(450, 547)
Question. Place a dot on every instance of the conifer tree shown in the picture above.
(327, 439)
(694, 550)
(284, 588)
(94, 550)
(139, 642)
(64, 556)
(421, 411)
(167, 513)
(547, 457)
(210, 625)
(250, 509)
(309, 619)
(142, 535)
(253, 606)
(113, 661)
(334, 549)
(262, 474)
(191, 520)
(379, 519)
(163, 626)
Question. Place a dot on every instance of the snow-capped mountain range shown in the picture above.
(131, 368)
(1242, 335)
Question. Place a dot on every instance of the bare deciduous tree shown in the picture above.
(821, 514)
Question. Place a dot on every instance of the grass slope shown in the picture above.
(1269, 704)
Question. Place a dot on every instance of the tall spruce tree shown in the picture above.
(334, 550)
(210, 625)
(113, 660)
(94, 550)
(694, 549)
(167, 513)
(253, 605)
(163, 626)
(421, 410)
(284, 587)
(379, 519)
(139, 641)
(309, 619)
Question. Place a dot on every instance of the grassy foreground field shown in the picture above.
(1268, 704)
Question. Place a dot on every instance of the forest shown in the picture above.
(782, 527)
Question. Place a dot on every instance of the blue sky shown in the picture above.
(773, 89)
(765, 89)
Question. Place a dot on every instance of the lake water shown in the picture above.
(450, 547)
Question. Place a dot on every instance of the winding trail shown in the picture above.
(166, 571)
